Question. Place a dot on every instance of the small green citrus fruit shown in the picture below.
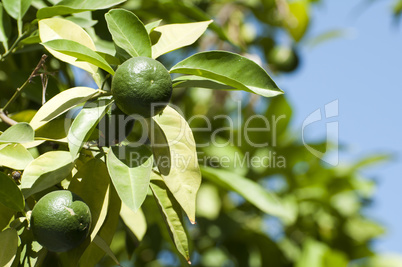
(142, 86)
(60, 221)
(283, 59)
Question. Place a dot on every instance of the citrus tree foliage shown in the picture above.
(147, 207)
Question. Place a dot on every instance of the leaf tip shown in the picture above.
(192, 221)
(189, 262)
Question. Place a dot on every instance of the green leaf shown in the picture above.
(130, 170)
(326, 36)
(61, 103)
(298, 19)
(5, 27)
(92, 182)
(10, 194)
(280, 112)
(109, 58)
(175, 36)
(93, 254)
(208, 201)
(188, 81)
(6, 214)
(172, 215)
(371, 160)
(83, 19)
(19, 133)
(230, 69)
(382, 260)
(58, 28)
(175, 154)
(105, 247)
(56, 130)
(362, 230)
(128, 32)
(251, 191)
(81, 52)
(312, 254)
(152, 25)
(15, 156)
(16, 8)
(45, 171)
(85, 122)
(8, 247)
(135, 221)
(74, 6)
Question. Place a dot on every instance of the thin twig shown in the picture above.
(33, 74)
(44, 80)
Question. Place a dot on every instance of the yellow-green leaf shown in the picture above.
(57, 28)
(61, 103)
(175, 36)
(8, 247)
(298, 19)
(172, 215)
(175, 154)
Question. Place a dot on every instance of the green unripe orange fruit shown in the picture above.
(60, 221)
(283, 59)
(142, 86)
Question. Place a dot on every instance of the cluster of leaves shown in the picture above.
(299, 213)
(108, 178)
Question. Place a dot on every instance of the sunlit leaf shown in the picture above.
(5, 27)
(230, 69)
(135, 221)
(45, 171)
(381, 260)
(73, 6)
(326, 36)
(105, 247)
(250, 190)
(91, 182)
(81, 52)
(175, 36)
(172, 214)
(16, 8)
(152, 25)
(188, 81)
(8, 247)
(298, 19)
(61, 103)
(128, 32)
(15, 156)
(97, 249)
(130, 170)
(85, 122)
(19, 133)
(5, 216)
(175, 154)
(10, 194)
(362, 230)
(58, 28)
(208, 202)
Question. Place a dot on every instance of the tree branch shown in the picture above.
(6, 119)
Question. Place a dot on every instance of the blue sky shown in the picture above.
(363, 72)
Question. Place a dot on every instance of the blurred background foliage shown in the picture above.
(329, 226)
